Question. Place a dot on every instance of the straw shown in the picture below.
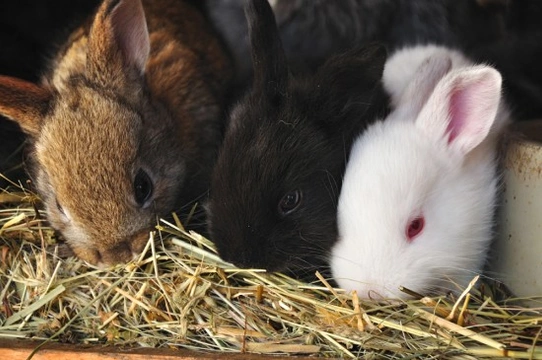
(180, 294)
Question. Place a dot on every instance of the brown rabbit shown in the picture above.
(126, 126)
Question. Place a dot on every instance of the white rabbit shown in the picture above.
(419, 192)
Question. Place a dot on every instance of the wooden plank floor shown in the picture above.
(20, 350)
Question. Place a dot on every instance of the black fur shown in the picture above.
(290, 133)
(313, 30)
(516, 54)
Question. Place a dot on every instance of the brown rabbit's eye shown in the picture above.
(60, 208)
(142, 187)
(290, 202)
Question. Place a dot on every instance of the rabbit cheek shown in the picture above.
(79, 242)
(138, 242)
(89, 255)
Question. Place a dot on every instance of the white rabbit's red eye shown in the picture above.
(290, 202)
(415, 227)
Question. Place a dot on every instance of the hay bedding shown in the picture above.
(180, 294)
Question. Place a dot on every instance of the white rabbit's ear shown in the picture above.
(414, 95)
(463, 107)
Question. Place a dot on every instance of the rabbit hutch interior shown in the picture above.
(172, 174)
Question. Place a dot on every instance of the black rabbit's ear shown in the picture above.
(351, 83)
(268, 58)
(359, 69)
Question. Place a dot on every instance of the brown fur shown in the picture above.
(106, 110)
(32, 101)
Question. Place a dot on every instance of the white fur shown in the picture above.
(408, 165)
(402, 66)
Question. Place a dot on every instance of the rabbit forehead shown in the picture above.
(87, 150)
(275, 145)
(393, 164)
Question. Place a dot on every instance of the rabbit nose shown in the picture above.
(116, 254)
(123, 251)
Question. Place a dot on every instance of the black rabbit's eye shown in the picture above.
(142, 187)
(290, 202)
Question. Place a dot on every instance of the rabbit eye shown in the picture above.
(415, 227)
(290, 202)
(142, 187)
(60, 208)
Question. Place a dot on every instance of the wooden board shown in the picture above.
(20, 350)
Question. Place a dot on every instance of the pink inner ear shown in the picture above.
(465, 104)
(462, 109)
(131, 33)
(459, 108)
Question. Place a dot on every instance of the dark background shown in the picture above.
(504, 33)
(30, 31)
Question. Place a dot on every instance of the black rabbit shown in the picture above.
(274, 189)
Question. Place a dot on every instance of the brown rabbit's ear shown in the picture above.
(118, 41)
(24, 102)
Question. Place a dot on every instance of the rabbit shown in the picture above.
(275, 185)
(313, 30)
(125, 126)
(419, 191)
